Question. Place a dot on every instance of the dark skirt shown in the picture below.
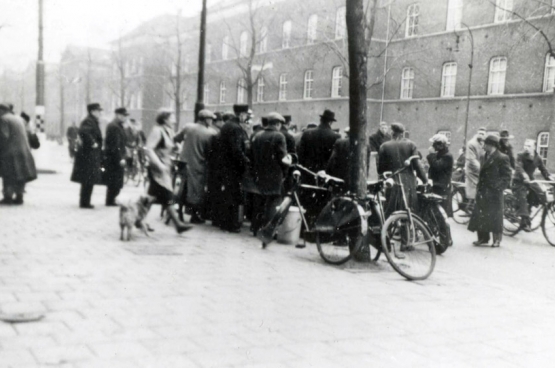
(163, 196)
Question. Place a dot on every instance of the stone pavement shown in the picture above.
(211, 299)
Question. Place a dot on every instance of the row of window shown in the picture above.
(496, 80)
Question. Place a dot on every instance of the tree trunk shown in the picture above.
(250, 86)
(358, 60)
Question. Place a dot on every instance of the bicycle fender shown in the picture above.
(338, 213)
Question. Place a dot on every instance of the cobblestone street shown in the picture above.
(211, 299)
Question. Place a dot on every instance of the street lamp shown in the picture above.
(470, 67)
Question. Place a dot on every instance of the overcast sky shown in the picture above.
(79, 22)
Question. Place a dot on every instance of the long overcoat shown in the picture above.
(268, 149)
(88, 158)
(316, 147)
(16, 162)
(392, 156)
(234, 161)
(114, 152)
(495, 176)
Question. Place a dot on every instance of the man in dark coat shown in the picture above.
(526, 191)
(505, 147)
(380, 137)
(87, 164)
(392, 157)
(317, 144)
(494, 178)
(338, 165)
(441, 170)
(234, 162)
(115, 155)
(268, 150)
(17, 165)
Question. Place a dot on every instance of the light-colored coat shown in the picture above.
(16, 162)
(474, 154)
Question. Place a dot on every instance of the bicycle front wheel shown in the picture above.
(461, 213)
(548, 223)
(339, 247)
(409, 249)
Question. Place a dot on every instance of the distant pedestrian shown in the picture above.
(473, 156)
(115, 155)
(234, 161)
(494, 178)
(87, 164)
(317, 144)
(17, 166)
(72, 136)
(441, 170)
(196, 139)
(269, 148)
(505, 147)
(160, 149)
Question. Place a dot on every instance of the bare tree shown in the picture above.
(120, 80)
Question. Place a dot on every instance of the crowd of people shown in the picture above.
(234, 169)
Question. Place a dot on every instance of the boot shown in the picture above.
(18, 199)
(179, 226)
(497, 239)
(525, 224)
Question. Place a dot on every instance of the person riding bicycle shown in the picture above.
(392, 156)
(527, 192)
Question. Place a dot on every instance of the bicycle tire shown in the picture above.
(460, 212)
(417, 260)
(340, 247)
(511, 222)
(536, 214)
(439, 228)
(548, 230)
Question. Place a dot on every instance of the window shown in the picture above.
(503, 10)
(241, 87)
(340, 23)
(447, 135)
(243, 44)
(222, 92)
(413, 11)
(225, 48)
(549, 74)
(337, 78)
(206, 94)
(543, 146)
(454, 14)
(286, 35)
(308, 81)
(407, 83)
(208, 55)
(260, 90)
(497, 70)
(449, 80)
(263, 45)
(312, 28)
(283, 87)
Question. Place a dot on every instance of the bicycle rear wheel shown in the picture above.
(461, 214)
(548, 223)
(511, 221)
(339, 247)
(410, 251)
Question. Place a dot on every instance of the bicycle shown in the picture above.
(135, 171)
(433, 213)
(461, 205)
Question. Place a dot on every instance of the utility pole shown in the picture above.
(199, 105)
(39, 103)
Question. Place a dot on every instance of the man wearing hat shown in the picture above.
(17, 165)
(473, 156)
(495, 176)
(528, 193)
(268, 150)
(234, 162)
(196, 138)
(87, 163)
(505, 147)
(392, 157)
(317, 144)
(114, 155)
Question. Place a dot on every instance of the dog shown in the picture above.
(132, 214)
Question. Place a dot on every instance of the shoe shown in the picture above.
(111, 205)
(86, 206)
(235, 231)
(181, 228)
(496, 244)
(479, 243)
(18, 199)
(6, 201)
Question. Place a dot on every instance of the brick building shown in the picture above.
(418, 65)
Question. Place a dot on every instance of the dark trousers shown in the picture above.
(229, 216)
(11, 188)
(484, 237)
(85, 195)
(264, 208)
(526, 197)
(111, 194)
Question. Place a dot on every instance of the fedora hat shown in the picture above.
(94, 107)
(239, 108)
(121, 111)
(328, 115)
